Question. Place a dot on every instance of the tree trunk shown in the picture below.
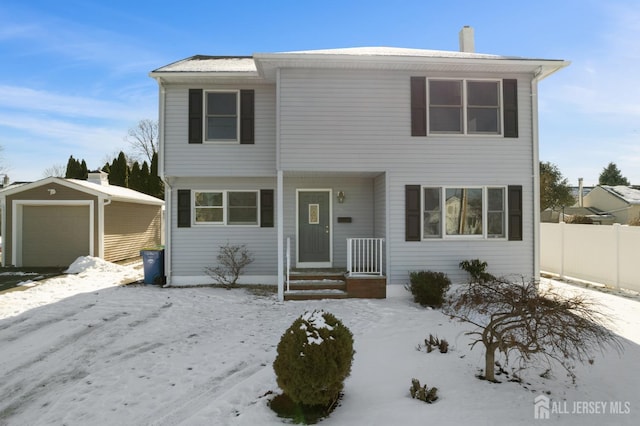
(489, 363)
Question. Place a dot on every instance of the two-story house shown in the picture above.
(376, 160)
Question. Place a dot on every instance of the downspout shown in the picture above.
(536, 175)
(279, 196)
(167, 187)
(101, 216)
(3, 227)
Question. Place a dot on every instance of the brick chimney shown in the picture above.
(467, 43)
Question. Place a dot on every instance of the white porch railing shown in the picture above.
(364, 256)
(288, 260)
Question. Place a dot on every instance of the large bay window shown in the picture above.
(474, 212)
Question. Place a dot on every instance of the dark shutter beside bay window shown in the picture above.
(510, 107)
(412, 212)
(184, 208)
(247, 117)
(195, 115)
(418, 106)
(266, 208)
(515, 212)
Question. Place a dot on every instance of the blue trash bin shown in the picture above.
(153, 263)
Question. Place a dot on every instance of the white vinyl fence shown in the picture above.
(606, 254)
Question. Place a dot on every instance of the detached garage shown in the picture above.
(53, 221)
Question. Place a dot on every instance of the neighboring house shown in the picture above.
(622, 202)
(433, 154)
(53, 221)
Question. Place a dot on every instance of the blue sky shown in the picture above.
(74, 74)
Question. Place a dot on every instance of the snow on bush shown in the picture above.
(314, 358)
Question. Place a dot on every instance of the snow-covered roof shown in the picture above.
(117, 192)
(630, 195)
(380, 57)
(394, 51)
(113, 192)
(203, 63)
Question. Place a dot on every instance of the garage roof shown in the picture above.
(111, 192)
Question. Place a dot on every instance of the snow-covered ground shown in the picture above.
(83, 350)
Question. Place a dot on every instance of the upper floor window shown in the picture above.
(464, 107)
(222, 112)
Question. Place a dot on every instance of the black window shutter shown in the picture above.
(247, 117)
(418, 106)
(510, 107)
(195, 115)
(266, 208)
(412, 212)
(515, 212)
(184, 208)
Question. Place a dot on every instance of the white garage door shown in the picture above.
(54, 235)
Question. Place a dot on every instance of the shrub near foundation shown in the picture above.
(428, 287)
(314, 358)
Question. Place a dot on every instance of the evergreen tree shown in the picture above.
(612, 176)
(84, 171)
(119, 174)
(135, 178)
(555, 191)
(144, 178)
(156, 187)
(74, 169)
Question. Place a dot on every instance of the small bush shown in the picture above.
(428, 287)
(477, 270)
(314, 358)
(432, 343)
(423, 393)
(579, 219)
(232, 259)
(635, 221)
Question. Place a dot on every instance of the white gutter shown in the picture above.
(540, 74)
(279, 197)
(3, 227)
(536, 176)
(167, 187)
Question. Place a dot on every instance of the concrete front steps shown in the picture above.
(333, 284)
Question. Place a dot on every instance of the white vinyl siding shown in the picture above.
(195, 248)
(343, 121)
(354, 113)
(219, 159)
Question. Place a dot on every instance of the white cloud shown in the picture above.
(28, 99)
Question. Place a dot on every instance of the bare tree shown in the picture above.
(515, 317)
(143, 139)
(232, 259)
(57, 170)
(3, 168)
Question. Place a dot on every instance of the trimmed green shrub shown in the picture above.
(314, 358)
(428, 287)
(476, 269)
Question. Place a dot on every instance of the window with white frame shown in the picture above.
(222, 111)
(226, 207)
(453, 212)
(464, 107)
